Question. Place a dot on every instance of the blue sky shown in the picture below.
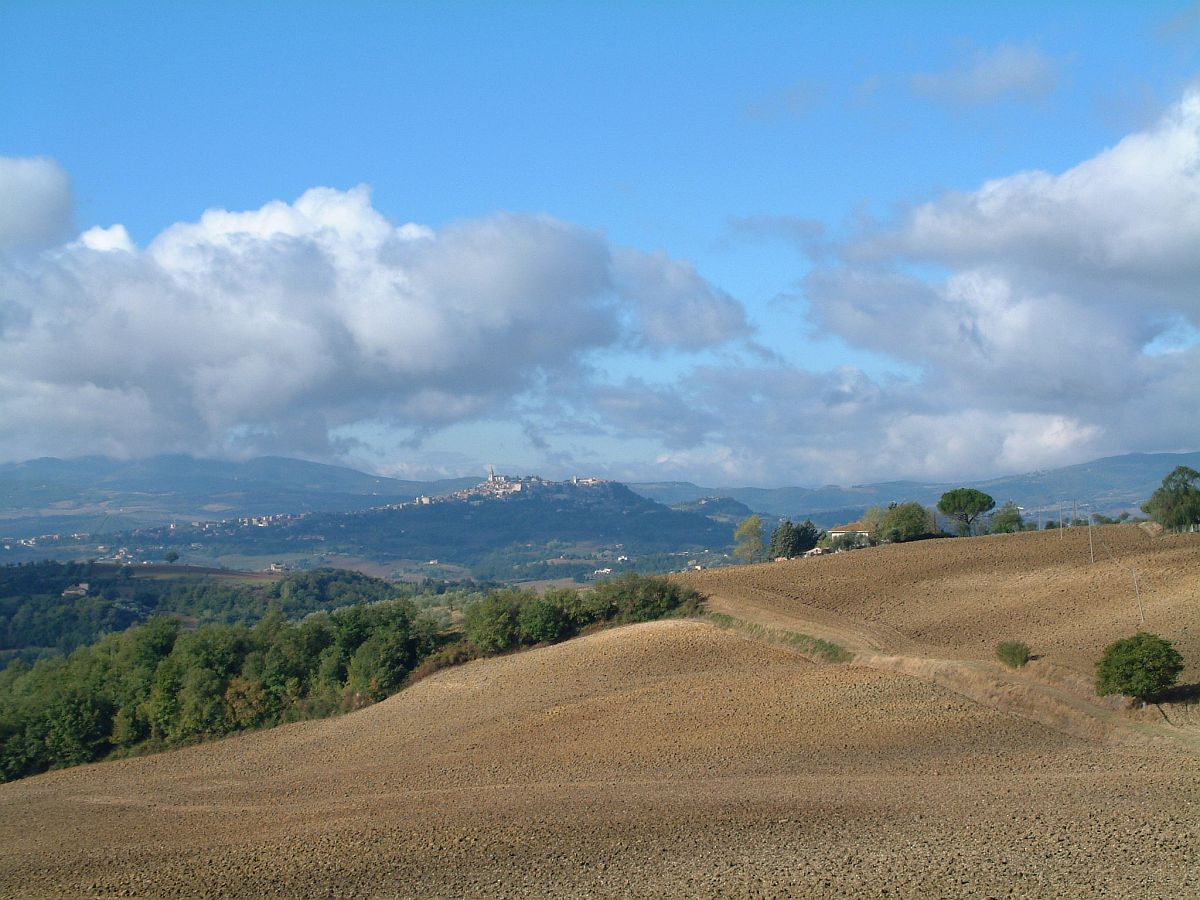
(756, 173)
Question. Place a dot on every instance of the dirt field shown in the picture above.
(668, 759)
(959, 598)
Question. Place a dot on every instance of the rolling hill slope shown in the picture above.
(678, 758)
(958, 598)
(665, 759)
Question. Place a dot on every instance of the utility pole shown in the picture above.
(1060, 525)
(1091, 546)
(1137, 590)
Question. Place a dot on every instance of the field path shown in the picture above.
(930, 618)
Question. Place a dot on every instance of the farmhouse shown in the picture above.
(854, 528)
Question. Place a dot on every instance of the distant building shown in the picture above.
(855, 528)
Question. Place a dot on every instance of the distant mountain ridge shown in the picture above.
(100, 494)
(502, 529)
(1109, 485)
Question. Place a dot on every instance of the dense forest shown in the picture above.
(159, 684)
(50, 608)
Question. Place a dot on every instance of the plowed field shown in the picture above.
(668, 759)
(959, 598)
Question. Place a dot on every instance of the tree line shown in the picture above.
(159, 685)
(43, 613)
(969, 511)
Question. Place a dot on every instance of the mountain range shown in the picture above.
(100, 495)
(1110, 485)
(104, 496)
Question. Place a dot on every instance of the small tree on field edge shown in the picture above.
(1142, 667)
(1176, 505)
(965, 505)
(748, 539)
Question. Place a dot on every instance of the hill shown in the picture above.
(719, 509)
(957, 598)
(101, 495)
(1111, 485)
(50, 608)
(506, 530)
(682, 758)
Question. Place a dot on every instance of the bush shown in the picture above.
(451, 655)
(491, 624)
(541, 621)
(906, 522)
(1142, 667)
(639, 598)
(1013, 654)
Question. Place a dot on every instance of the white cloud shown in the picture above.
(246, 330)
(35, 203)
(674, 306)
(1042, 319)
(990, 75)
(107, 239)
(1044, 335)
(1124, 224)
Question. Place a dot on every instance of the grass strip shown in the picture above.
(814, 648)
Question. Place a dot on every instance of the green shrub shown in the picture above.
(640, 598)
(1142, 667)
(541, 620)
(1013, 654)
(451, 655)
(491, 624)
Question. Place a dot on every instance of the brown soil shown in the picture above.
(673, 758)
(959, 598)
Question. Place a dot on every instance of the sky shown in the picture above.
(736, 244)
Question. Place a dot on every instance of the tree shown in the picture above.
(1142, 666)
(790, 540)
(1007, 519)
(1176, 505)
(807, 536)
(965, 505)
(782, 539)
(541, 620)
(171, 556)
(872, 520)
(748, 539)
(905, 522)
(491, 624)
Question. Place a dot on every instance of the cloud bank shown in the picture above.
(270, 329)
(1041, 319)
(1063, 323)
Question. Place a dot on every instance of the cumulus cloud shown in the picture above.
(673, 305)
(1022, 72)
(1125, 223)
(273, 327)
(35, 203)
(1039, 320)
(1040, 336)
